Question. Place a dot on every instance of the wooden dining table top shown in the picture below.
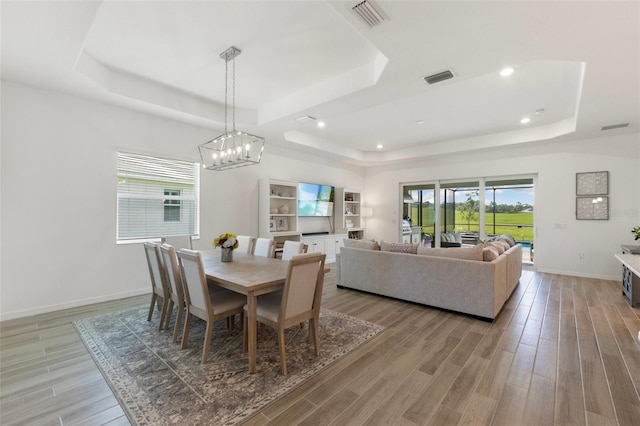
(246, 273)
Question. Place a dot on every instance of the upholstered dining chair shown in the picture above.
(159, 284)
(202, 303)
(263, 247)
(299, 301)
(178, 241)
(245, 244)
(292, 248)
(176, 289)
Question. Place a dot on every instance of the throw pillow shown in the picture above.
(399, 247)
(508, 238)
(489, 253)
(467, 253)
(504, 244)
(497, 245)
(361, 244)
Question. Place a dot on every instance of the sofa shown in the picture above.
(438, 278)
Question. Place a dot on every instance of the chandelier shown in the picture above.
(235, 148)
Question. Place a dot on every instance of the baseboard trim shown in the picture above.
(5, 316)
(581, 275)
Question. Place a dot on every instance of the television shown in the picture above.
(315, 200)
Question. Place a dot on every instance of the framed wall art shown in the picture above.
(592, 208)
(592, 183)
(283, 224)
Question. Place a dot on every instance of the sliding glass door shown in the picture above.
(473, 209)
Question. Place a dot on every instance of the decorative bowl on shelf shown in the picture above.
(284, 209)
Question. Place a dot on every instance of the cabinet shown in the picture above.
(327, 244)
(278, 210)
(348, 209)
(631, 281)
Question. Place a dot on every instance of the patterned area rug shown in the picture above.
(158, 383)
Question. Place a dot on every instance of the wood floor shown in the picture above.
(563, 351)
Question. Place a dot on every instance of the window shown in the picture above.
(172, 205)
(156, 197)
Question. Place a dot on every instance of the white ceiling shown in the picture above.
(578, 61)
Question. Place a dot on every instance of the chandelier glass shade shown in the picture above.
(233, 148)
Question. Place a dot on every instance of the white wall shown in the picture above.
(555, 163)
(59, 196)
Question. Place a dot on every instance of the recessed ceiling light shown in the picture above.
(507, 71)
(539, 111)
(525, 120)
(379, 146)
(321, 124)
(419, 122)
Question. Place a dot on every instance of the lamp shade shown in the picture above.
(366, 212)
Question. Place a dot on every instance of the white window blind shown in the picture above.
(157, 197)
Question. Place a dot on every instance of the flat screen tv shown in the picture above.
(315, 200)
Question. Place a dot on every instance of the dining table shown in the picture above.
(249, 275)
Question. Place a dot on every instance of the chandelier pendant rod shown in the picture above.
(233, 148)
(234, 94)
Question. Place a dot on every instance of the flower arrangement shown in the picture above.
(226, 240)
(636, 230)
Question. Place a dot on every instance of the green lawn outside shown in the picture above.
(518, 225)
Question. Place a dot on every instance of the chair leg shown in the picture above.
(153, 303)
(167, 318)
(283, 357)
(163, 314)
(185, 330)
(207, 341)
(176, 328)
(313, 334)
(231, 322)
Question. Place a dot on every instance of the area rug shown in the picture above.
(158, 383)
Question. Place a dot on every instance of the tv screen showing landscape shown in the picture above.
(315, 200)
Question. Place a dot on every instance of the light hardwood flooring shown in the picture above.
(563, 351)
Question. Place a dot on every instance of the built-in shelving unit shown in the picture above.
(278, 210)
(348, 212)
(328, 244)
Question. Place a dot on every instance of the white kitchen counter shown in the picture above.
(631, 261)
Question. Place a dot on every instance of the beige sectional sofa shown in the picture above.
(473, 287)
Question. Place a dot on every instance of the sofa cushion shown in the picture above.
(450, 237)
(467, 253)
(504, 244)
(498, 245)
(507, 238)
(361, 244)
(399, 247)
(489, 253)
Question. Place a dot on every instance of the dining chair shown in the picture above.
(160, 290)
(245, 244)
(263, 247)
(178, 241)
(299, 301)
(176, 289)
(292, 248)
(202, 303)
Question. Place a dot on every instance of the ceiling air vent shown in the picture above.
(615, 126)
(441, 76)
(369, 13)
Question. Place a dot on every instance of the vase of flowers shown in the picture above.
(227, 242)
(636, 230)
